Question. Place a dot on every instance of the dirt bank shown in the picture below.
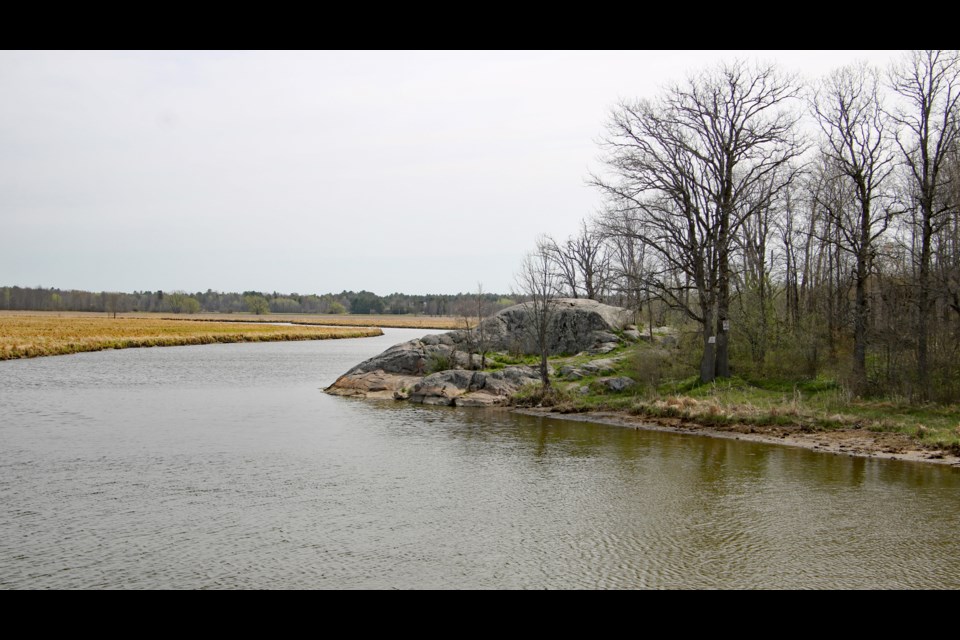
(850, 442)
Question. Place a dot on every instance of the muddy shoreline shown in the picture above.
(850, 442)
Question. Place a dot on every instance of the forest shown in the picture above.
(258, 302)
(794, 229)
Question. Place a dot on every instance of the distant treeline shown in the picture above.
(356, 302)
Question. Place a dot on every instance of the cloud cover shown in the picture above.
(308, 172)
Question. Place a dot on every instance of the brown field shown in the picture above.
(445, 323)
(386, 320)
(32, 334)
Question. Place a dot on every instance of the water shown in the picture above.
(225, 466)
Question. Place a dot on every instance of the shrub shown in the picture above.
(439, 362)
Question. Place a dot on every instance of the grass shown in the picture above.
(445, 323)
(29, 336)
(498, 360)
(806, 405)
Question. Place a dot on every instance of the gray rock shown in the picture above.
(631, 334)
(605, 347)
(576, 325)
(401, 371)
(408, 358)
(621, 383)
(471, 388)
(373, 384)
(571, 372)
(509, 380)
(663, 336)
(451, 338)
(443, 385)
(601, 337)
(603, 365)
(478, 399)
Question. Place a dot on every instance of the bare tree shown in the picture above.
(539, 283)
(562, 262)
(656, 203)
(754, 278)
(928, 83)
(689, 161)
(856, 145)
(589, 252)
(582, 261)
(483, 343)
(630, 262)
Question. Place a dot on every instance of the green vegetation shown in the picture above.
(668, 388)
(209, 301)
(781, 250)
(440, 362)
(257, 305)
(500, 360)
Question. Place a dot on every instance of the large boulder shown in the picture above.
(575, 325)
(433, 369)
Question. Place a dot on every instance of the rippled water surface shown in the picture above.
(226, 466)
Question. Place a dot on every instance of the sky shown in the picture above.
(418, 172)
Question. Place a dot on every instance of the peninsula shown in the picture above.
(605, 369)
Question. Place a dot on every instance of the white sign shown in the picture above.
(712, 340)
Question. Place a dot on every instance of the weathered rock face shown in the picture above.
(576, 325)
(401, 371)
(458, 387)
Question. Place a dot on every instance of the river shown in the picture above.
(225, 466)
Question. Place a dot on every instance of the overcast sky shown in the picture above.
(309, 172)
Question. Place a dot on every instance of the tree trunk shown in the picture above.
(723, 308)
(861, 309)
(544, 376)
(924, 303)
(708, 363)
(650, 319)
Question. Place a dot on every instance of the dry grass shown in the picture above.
(445, 323)
(27, 336)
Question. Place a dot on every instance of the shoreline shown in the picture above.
(859, 443)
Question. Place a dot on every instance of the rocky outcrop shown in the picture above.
(462, 388)
(575, 325)
(373, 384)
(439, 369)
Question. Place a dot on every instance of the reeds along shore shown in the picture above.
(29, 336)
